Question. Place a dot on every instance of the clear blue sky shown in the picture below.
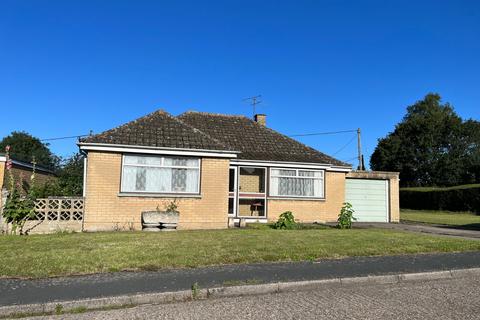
(70, 66)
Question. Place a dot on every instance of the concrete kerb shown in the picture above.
(223, 292)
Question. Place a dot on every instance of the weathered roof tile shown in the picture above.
(208, 131)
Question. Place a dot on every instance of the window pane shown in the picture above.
(129, 178)
(155, 179)
(140, 179)
(231, 180)
(318, 187)
(231, 205)
(193, 178)
(281, 172)
(142, 160)
(179, 180)
(307, 173)
(303, 173)
(139, 176)
(252, 180)
(251, 207)
(181, 162)
(307, 184)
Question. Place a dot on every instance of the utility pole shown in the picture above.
(360, 156)
(254, 101)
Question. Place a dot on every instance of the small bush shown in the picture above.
(286, 221)
(346, 217)
(450, 199)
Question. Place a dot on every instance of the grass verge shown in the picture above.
(459, 219)
(82, 253)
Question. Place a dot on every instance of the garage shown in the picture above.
(369, 198)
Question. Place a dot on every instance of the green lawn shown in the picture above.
(464, 219)
(80, 253)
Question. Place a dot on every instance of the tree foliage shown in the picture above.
(431, 146)
(25, 147)
(69, 181)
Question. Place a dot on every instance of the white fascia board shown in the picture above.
(2, 158)
(284, 164)
(151, 150)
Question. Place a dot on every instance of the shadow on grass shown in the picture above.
(470, 226)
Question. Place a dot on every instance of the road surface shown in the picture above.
(435, 299)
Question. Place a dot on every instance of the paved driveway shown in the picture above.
(439, 299)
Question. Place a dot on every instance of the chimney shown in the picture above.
(261, 119)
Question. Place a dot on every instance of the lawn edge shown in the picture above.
(127, 301)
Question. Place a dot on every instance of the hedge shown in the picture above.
(451, 199)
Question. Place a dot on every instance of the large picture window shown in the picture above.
(297, 183)
(157, 174)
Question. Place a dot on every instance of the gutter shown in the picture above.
(156, 150)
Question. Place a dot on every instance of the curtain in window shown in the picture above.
(150, 174)
(129, 179)
(296, 183)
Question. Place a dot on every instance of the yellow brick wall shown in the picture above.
(105, 210)
(394, 199)
(313, 210)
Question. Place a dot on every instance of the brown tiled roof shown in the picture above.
(253, 140)
(158, 129)
(208, 131)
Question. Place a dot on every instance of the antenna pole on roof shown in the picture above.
(254, 101)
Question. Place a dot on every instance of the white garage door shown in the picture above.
(369, 199)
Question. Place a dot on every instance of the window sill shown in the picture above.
(296, 198)
(159, 195)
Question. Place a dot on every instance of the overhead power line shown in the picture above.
(69, 137)
(348, 160)
(321, 133)
(344, 146)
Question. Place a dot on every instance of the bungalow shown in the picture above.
(220, 168)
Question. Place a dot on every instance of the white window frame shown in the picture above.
(161, 165)
(296, 176)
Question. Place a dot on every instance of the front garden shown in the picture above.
(82, 253)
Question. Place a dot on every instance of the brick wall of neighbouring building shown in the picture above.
(106, 210)
(22, 173)
(313, 210)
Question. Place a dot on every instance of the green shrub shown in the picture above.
(285, 221)
(346, 217)
(450, 199)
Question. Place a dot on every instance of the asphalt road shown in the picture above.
(436, 299)
(19, 291)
